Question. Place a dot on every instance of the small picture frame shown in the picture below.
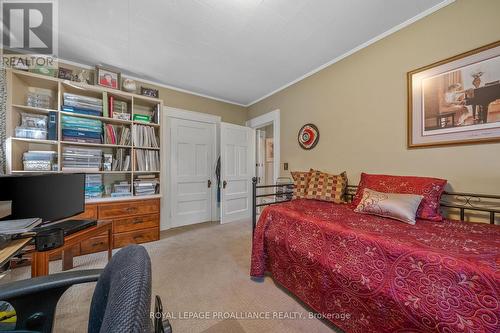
(65, 73)
(108, 78)
(150, 92)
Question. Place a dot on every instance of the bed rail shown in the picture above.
(468, 205)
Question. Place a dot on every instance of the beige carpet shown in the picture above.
(198, 269)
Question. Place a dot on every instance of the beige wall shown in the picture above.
(359, 105)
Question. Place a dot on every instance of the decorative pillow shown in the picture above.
(300, 181)
(401, 207)
(326, 187)
(430, 188)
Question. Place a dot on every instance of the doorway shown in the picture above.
(268, 165)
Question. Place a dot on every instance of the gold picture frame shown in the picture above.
(455, 101)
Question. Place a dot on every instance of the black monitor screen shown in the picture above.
(49, 197)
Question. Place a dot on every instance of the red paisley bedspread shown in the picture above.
(388, 275)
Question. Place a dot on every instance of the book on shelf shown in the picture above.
(75, 129)
(121, 161)
(117, 135)
(147, 160)
(147, 114)
(80, 111)
(82, 104)
(105, 107)
(144, 136)
(118, 109)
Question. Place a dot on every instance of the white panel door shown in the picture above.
(237, 170)
(191, 145)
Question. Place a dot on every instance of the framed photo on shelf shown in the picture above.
(150, 92)
(65, 73)
(456, 100)
(107, 78)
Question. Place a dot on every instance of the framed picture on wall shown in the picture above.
(456, 101)
(269, 150)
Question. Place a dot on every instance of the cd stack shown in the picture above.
(121, 189)
(82, 104)
(77, 159)
(75, 129)
(146, 185)
(93, 186)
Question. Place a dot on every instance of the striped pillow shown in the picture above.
(326, 187)
(300, 181)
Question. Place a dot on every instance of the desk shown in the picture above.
(40, 260)
(13, 248)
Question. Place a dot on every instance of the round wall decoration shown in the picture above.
(308, 136)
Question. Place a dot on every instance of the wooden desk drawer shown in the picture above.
(90, 213)
(136, 237)
(94, 244)
(136, 223)
(131, 208)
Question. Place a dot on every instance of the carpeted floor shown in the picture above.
(198, 269)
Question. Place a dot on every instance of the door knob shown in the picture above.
(209, 183)
(224, 184)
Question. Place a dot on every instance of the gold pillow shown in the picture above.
(300, 182)
(326, 187)
(401, 207)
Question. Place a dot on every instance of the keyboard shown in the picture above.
(69, 227)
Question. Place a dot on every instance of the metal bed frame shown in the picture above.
(475, 205)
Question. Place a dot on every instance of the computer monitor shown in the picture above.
(50, 197)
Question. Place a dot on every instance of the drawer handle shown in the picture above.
(131, 209)
(137, 237)
(97, 244)
(136, 221)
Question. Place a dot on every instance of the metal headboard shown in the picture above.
(463, 202)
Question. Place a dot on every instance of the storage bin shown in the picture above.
(37, 165)
(31, 133)
(34, 120)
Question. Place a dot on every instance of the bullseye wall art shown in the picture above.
(308, 136)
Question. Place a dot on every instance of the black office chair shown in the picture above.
(121, 300)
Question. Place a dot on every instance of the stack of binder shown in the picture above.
(147, 160)
(82, 104)
(75, 129)
(146, 185)
(76, 159)
(121, 162)
(93, 186)
(121, 189)
(144, 136)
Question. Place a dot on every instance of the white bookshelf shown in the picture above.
(18, 83)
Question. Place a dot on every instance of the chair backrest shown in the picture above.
(122, 297)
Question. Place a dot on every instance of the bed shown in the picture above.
(365, 273)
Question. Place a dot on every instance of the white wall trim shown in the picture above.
(69, 62)
(170, 112)
(192, 115)
(360, 47)
(269, 118)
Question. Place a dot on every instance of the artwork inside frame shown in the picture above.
(270, 150)
(456, 101)
(108, 78)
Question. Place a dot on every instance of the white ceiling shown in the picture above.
(235, 50)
